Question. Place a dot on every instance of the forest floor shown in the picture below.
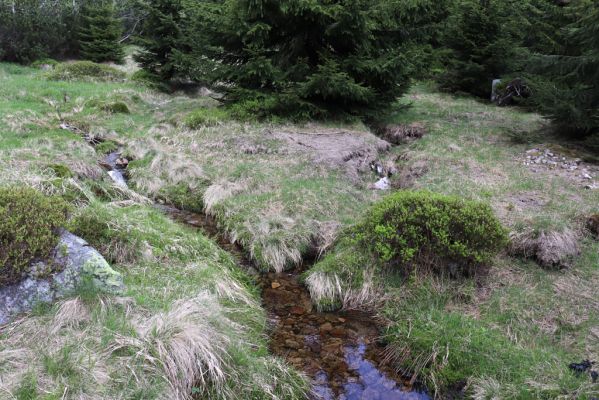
(284, 192)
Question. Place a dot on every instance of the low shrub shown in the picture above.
(85, 70)
(205, 117)
(422, 229)
(44, 61)
(29, 223)
(61, 171)
(117, 107)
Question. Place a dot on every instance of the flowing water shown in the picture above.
(338, 350)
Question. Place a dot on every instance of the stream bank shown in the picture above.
(339, 351)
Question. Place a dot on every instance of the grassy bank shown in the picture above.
(190, 323)
(513, 329)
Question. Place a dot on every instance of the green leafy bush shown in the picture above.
(29, 221)
(44, 61)
(409, 229)
(85, 70)
(205, 117)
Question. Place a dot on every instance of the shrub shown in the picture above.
(85, 70)
(29, 221)
(117, 107)
(44, 61)
(205, 117)
(61, 171)
(409, 229)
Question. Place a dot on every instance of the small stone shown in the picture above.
(338, 332)
(326, 327)
(296, 310)
(292, 344)
(342, 320)
(275, 285)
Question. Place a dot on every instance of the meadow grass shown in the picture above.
(190, 324)
(512, 331)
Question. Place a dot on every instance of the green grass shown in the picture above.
(510, 332)
(182, 289)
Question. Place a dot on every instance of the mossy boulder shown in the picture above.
(79, 263)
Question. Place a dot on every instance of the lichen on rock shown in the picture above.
(78, 261)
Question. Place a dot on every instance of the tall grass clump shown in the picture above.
(29, 221)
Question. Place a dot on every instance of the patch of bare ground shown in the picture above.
(349, 151)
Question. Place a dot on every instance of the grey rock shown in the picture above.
(78, 260)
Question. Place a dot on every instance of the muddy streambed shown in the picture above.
(338, 350)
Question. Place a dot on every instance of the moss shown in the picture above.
(29, 222)
(61, 171)
(117, 107)
(183, 197)
(107, 147)
(204, 117)
(85, 70)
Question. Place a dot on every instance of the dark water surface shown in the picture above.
(338, 350)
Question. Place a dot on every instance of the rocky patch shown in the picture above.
(77, 260)
(574, 169)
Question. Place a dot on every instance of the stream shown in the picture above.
(339, 351)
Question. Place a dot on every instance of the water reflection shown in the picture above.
(368, 382)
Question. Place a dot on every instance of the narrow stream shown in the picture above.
(339, 351)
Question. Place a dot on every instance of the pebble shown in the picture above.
(275, 285)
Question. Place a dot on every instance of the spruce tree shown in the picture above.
(309, 59)
(481, 48)
(160, 38)
(99, 34)
(566, 88)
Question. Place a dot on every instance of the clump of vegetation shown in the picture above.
(117, 107)
(107, 147)
(29, 221)
(409, 229)
(93, 225)
(405, 232)
(85, 70)
(61, 171)
(44, 61)
(205, 117)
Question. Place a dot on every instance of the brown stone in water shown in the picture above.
(292, 344)
(275, 285)
(338, 332)
(342, 320)
(296, 310)
(326, 327)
